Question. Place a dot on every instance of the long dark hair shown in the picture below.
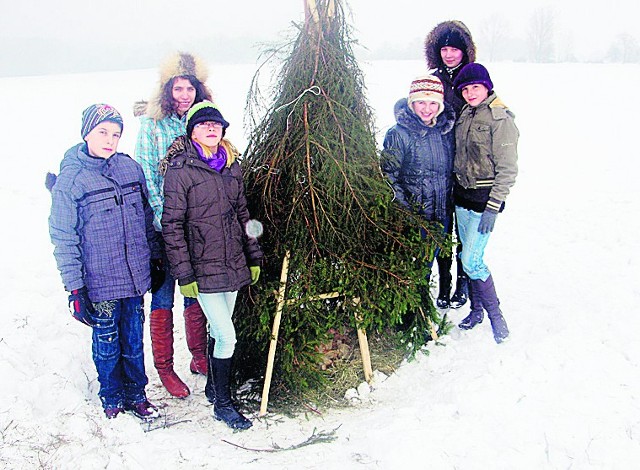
(166, 101)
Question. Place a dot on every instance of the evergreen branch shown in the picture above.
(308, 161)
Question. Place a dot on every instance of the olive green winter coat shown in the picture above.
(486, 161)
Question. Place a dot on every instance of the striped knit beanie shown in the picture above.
(203, 112)
(427, 88)
(97, 113)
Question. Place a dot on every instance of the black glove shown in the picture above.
(81, 306)
(158, 275)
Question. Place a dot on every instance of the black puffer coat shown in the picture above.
(418, 160)
(203, 222)
(434, 59)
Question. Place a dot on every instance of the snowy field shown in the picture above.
(563, 393)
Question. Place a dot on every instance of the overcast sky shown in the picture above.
(583, 25)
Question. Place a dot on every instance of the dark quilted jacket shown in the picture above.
(434, 60)
(418, 160)
(203, 222)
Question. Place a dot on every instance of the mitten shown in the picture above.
(487, 221)
(190, 290)
(255, 274)
(158, 275)
(81, 306)
(50, 180)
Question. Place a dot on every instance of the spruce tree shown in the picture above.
(313, 179)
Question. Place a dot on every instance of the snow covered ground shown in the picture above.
(563, 393)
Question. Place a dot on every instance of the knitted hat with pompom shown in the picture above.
(427, 88)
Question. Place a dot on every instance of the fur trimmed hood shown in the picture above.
(409, 120)
(431, 50)
(180, 64)
(176, 65)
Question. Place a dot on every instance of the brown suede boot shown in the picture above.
(161, 326)
(195, 324)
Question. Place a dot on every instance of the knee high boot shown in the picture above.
(491, 304)
(195, 324)
(444, 283)
(161, 328)
(223, 409)
(209, 389)
(477, 314)
(461, 294)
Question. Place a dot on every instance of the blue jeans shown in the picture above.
(218, 308)
(473, 244)
(118, 352)
(163, 297)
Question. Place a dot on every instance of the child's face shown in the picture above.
(208, 133)
(425, 110)
(103, 139)
(183, 94)
(475, 94)
(451, 56)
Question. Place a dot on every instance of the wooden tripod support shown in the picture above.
(281, 302)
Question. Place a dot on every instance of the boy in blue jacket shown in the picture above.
(101, 227)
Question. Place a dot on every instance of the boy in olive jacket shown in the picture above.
(485, 168)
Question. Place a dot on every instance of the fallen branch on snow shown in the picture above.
(315, 438)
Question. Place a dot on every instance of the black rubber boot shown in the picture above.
(223, 409)
(444, 283)
(461, 294)
(209, 389)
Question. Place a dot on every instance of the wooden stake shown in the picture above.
(274, 334)
(364, 347)
(432, 327)
(332, 295)
(311, 10)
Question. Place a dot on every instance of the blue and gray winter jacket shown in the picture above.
(418, 160)
(101, 225)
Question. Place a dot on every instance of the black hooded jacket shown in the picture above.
(434, 59)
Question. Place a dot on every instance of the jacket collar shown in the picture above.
(79, 155)
(410, 121)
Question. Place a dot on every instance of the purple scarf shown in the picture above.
(216, 161)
